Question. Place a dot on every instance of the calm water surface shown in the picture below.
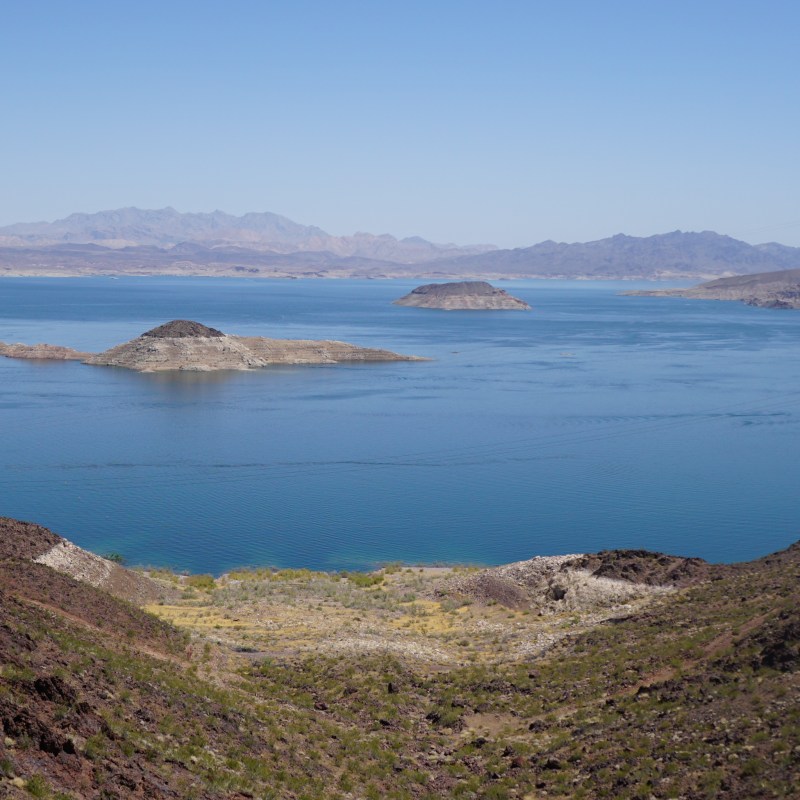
(596, 421)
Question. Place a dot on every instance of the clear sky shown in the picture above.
(510, 121)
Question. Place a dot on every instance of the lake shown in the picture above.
(595, 421)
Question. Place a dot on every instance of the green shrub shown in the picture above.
(95, 747)
(37, 786)
(205, 583)
(363, 580)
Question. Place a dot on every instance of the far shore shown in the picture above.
(324, 275)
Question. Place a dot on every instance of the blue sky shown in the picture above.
(508, 122)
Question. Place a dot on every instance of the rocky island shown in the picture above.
(462, 296)
(766, 290)
(192, 346)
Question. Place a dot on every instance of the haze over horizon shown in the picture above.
(469, 122)
(306, 223)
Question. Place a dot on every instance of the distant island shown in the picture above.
(191, 346)
(141, 242)
(462, 296)
(765, 290)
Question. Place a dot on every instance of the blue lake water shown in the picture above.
(596, 421)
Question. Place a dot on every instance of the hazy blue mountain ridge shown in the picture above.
(167, 227)
(675, 254)
(165, 241)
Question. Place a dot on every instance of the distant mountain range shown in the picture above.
(263, 232)
(131, 241)
(669, 255)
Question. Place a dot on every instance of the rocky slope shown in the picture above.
(554, 585)
(192, 346)
(765, 289)
(462, 296)
(695, 694)
(32, 543)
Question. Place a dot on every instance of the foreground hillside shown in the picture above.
(685, 684)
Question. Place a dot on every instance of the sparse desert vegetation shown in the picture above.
(413, 612)
(691, 692)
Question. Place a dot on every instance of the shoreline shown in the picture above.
(435, 276)
(418, 612)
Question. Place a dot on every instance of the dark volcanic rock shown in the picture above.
(644, 566)
(24, 539)
(55, 689)
(458, 288)
(779, 640)
(183, 329)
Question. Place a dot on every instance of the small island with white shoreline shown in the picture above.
(462, 296)
(191, 346)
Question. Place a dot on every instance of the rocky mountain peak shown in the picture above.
(183, 329)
